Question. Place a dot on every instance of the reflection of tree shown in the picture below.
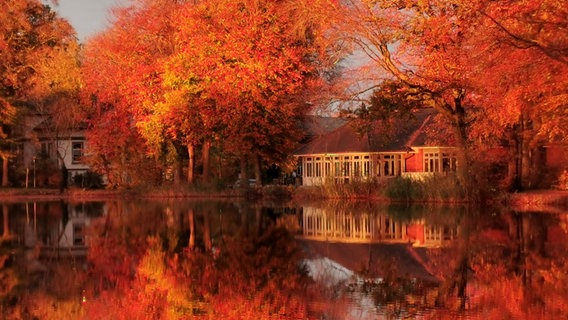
(522, 259)
(242, 265)
(141, 274)
(8, 279)
(191, 219)
(5, 222)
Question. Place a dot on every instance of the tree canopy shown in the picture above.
(37, 52)
(495, 71)
(230, 74)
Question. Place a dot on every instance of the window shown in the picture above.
(337, 169)
(78, 234)
(346, 168)
(356, 168)
(18, 151)
(47, 149)
(309, 169)
(431, 162)
(77, 152)
(317, 166)
(388, 165)
(449, 162)
(366, 168)
(327, 171)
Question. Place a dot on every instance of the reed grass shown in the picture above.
(397, 189)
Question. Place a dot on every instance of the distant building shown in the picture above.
(346, 154)
(40, 146)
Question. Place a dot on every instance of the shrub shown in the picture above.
(431, 189)
(89, 180)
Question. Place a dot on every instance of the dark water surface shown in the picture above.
(224, 260)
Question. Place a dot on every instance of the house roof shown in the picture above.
(47, 125)
(314, 126)
(374, 259)
(350, 137)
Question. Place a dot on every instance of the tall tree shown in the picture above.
(122, 82)
(254, 62)
(224, 74)
(402, 40)
(519, 73)
(475, 61)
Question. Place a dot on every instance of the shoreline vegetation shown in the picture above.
(546, 200)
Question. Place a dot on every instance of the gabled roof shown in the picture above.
(351, 138)
(409, 262)
(314, 126)
(341, 140)
(47, 125)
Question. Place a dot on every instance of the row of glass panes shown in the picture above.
(346, 226)
(338, 166)
(434, 163)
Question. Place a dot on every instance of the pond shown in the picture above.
(209, 259)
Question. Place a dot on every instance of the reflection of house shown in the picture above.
(41, 144)
(346, 227)
(345, 155)
(58, 229)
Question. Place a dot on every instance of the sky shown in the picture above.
(88, 17)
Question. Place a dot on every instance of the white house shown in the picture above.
(40, 142)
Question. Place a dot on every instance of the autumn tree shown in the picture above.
(122, 81)
(56, 102)
(251, 61)
(401, 40)
(476, 63)
(176, 75)
(31, 36)
(518, 71)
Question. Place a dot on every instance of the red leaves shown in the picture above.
(186, 72)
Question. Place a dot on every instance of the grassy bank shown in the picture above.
(434, 189)
(166, 192)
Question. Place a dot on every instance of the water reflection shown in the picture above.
(393, 262)
(374, 225)
(217, 259)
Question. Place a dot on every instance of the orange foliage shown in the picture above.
(182, 73)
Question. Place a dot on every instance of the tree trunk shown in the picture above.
(511, 181)
(244, 213)
(191, 218)
(4, 171)
(6, 232)
(257, 172)
(525, 167)
(522, 181)
(207, 232)
(178, 170)
(258, 220)
(206, 148)
(191, 163)
(460, 125)
(64, 177)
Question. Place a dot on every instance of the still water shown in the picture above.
(225, 260)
